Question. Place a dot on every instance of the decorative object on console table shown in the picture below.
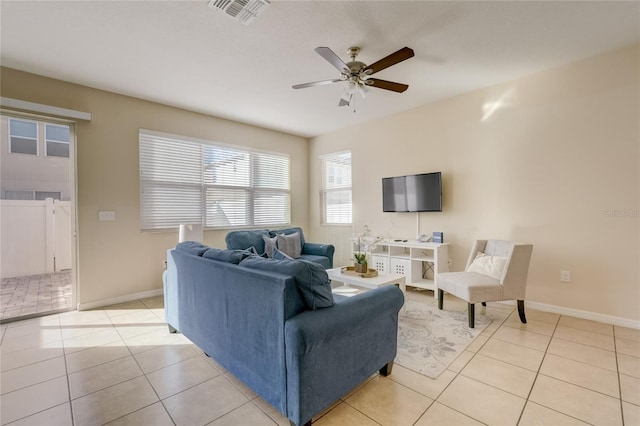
(438, 237)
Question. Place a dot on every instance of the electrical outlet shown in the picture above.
(106, 216)
(565, 276)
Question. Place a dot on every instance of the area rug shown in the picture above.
(429, 339)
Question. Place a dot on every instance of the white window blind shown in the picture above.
(183, 181)
(336, 188)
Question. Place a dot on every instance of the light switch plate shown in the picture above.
(106, 215)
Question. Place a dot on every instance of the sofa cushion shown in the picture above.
(311, 278)
(288, 231)
(269, 244)
(289, 244)
(246, 239)
(192, 247)
(229, 256)
(278, 255)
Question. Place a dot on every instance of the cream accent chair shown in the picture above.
(476, 287)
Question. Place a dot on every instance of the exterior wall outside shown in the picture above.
(555, 165)
(25, 172)
(114, 258)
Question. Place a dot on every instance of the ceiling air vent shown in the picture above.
(245, 11)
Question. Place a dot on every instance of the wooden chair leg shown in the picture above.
(472, 315)
(523, 319)
(440, 298)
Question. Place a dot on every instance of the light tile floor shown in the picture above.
(120, 366)
(33, 294)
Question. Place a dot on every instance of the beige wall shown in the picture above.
(115, 258)
(557, 166)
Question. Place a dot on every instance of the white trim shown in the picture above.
(120, 299)
(593, 316)
(44, 109)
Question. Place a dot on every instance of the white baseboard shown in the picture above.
(120, 299)
(593, 316)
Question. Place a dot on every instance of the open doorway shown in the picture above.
(36, 217)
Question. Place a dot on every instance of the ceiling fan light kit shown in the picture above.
(244, 11)
(358, 74)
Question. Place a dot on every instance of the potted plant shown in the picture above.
(365, 242)
(361, 265)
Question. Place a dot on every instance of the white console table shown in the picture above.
(419, 262)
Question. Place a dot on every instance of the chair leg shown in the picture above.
(440, 298)
(472, 315)
(523, 319)
(386, 370)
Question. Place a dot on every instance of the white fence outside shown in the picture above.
(35, 237)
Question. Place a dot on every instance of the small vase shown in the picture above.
(361, 268)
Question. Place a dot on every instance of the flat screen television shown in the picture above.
(412, 193)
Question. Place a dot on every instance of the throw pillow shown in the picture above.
(311, 278)
(278, 255)
(492, 266)
(229, 256)
(269, 245)
(192, 247)
(289, 244)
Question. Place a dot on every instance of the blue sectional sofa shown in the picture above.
(319, 253)
(275, 325)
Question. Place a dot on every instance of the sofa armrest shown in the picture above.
(320, 250)
(331, 351)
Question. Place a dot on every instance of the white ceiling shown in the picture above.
(186, 54)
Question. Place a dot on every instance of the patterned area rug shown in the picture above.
(429, 339)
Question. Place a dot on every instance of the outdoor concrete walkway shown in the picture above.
(32, 294)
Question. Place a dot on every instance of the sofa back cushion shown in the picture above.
(311, 278)
(229, 256)
(246, 239)
(192, 247)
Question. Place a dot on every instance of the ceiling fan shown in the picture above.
(358, 74)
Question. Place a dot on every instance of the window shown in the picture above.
(23, 137)
(336, 188)
(186, 181)
(56, 140)
(30, 195)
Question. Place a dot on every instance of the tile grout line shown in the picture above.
(615, 347)
(458, 373)
(535, 379)
(66, 370)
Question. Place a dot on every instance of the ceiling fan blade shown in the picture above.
(387, 85)
(332, 58)
(399, 56)
(316, 83)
